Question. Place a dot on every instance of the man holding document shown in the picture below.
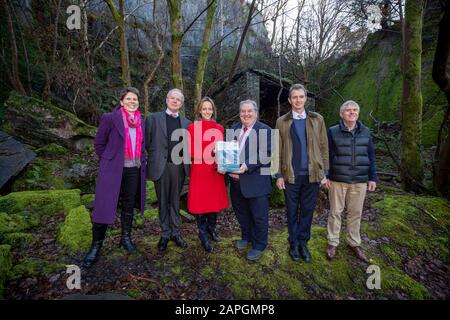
(252, 183)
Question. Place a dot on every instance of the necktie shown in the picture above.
(242, 135)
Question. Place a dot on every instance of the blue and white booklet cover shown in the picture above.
(227, 153)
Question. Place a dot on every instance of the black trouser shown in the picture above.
(206, 222)
(130, 188)
(168, 190)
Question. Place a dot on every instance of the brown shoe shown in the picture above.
(360, 254)
(331, 251)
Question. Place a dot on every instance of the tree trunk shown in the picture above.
(14, 73)
(177, 36)
(119, 18)
(203, 57)
(441, 171)
(411, 103)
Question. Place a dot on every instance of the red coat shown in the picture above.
(207, 191)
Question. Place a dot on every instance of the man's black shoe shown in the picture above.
(293, 252)
(304, 252)
(180, 242)
(162, 244)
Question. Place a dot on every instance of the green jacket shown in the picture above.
(316, 133)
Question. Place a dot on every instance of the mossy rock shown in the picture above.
(5, 266)
(45, 202)
(10, 223)
(42, 174)
(33, 267)
(40, 123)
(52, 149)
(18, 239)
(417, 223)
(76, 230)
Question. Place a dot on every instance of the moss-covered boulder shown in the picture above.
(87, 200)
(76, 231)
(13, 222)
(5, 266)
(39, 123)
(151, 193)
(51, 150)
(41, 174)
(40, 202)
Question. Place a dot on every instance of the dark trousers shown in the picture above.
(252, 215)
(304, 195)
(130, 189)
(206, 223)
(168, 190)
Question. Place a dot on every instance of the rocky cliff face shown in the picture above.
(229, 15)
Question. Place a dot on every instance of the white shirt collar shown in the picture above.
(296, 115)
(170, 113)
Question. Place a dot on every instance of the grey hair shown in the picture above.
(178, 91)
(348, 103)
(297, 86)
(253, 103)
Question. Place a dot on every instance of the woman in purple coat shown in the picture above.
(120, 146)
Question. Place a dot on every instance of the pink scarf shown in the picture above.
(132, 123)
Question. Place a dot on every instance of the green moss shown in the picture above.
(392, 255)
(41, 174)
(52, 149)
(151, 193)
(417, 223)
(17, 222)
(5, 266)
(76, 231)
(87, 200)
(18, 239)
(373, 79)
(33, 267)
(46, 202)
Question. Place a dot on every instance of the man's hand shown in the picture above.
(326, 183)
(221, 172)
(241, 170)
(372, 185)
(280, 183)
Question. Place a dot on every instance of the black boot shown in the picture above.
(98, 235)
(212, 219)
(206, 245)
(202, 223)
(127, 222)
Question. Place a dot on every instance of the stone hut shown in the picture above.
(260, 86)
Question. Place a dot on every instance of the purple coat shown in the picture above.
(110, 147)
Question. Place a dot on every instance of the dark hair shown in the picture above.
(124, 92)
(297, 86)
(198, 108)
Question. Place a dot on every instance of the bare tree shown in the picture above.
(119, 18)
(13, 72)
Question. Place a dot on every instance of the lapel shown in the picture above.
(118, 121)
(161, 119)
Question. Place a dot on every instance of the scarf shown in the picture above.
(132, 123)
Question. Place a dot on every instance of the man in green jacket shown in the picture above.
(303, 158)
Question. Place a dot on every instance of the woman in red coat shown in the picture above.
(207, 192)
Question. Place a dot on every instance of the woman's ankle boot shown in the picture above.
(127, 223)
